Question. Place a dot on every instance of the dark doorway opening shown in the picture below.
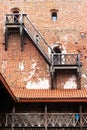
(57, 49)
(57, 56)
(16, 16)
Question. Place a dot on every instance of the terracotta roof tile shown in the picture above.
(23, 94)
(50, 94)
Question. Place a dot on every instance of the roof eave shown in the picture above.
(53, 100)
(9, 91)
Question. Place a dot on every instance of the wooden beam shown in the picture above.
(22, 38)
(45, 117)
(13, 114)
(80, 109)
(78, 78)
(6, 39)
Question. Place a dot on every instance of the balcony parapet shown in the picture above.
(40, 119)
(14, 19)
(59, 59)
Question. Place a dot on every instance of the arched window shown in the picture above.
(54, 16)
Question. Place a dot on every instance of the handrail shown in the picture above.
(22, 21)
(39, 33)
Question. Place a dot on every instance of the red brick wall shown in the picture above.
(16, 66)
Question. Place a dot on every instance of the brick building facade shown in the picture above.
(43, 64)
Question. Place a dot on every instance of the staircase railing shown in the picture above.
(38, 39)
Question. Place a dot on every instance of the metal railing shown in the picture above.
(43, 120)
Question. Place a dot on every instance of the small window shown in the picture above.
(54, 16)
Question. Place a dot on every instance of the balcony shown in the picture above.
(43, 120)
(66, 60)
(14, 19)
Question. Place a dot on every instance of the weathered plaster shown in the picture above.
(84, 76)
(21, 65)
(41, 84)
(4, 65)
(71, 83)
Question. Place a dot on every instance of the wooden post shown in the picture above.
(80, 109)
(78, 78)
(78, 72)
(21, 32)
(52, 72)
(45, 117)
(6, 38)
(6, 123)
(13, 114)
(22, 40)
(52, 80)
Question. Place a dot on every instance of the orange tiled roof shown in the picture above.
(51, 95)
(46, 95)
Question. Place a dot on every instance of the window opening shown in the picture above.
(54, 16)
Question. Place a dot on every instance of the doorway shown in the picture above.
(16, 16)
(57, 55)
